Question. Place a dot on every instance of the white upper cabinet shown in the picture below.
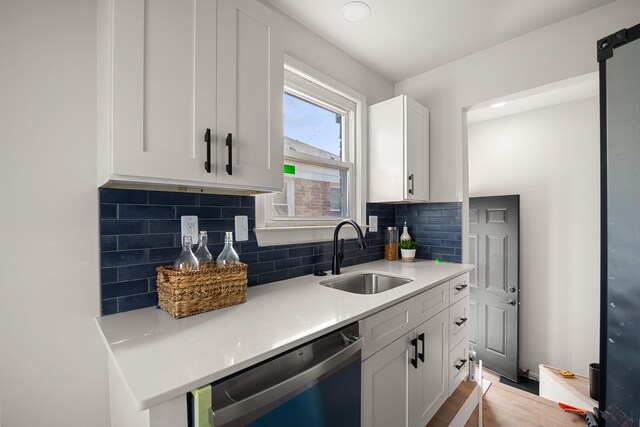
(250, 94)
(174, 72)
(398, 151)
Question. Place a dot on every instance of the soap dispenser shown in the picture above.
(405, 233)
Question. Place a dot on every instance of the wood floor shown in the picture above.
(506, 406)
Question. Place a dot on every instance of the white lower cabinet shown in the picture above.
(458, 364)
(407, 380)
(385, 385)
(430, 382)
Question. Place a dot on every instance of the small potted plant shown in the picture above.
(408, 250)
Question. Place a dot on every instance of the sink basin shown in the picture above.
(365, 283)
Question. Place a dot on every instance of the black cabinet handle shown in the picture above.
(207, 140)
(461, 364)
(414, 361)
(421, 355)
(460, 287)
(229, 150)
(411, 181)
(461, 321)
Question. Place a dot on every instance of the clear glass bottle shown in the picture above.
(202, 253)
(187, 260)
(228, 254)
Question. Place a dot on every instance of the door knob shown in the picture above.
(510, 302)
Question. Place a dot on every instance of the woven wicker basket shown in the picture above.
(185, 293)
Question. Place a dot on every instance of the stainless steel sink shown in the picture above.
(365, 283)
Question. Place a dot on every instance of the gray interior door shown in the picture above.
(494, 299)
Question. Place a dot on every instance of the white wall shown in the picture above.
(551, 158)
(316, 52)
(52, 363)
(556, 52)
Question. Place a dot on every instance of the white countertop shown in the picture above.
(160, 357)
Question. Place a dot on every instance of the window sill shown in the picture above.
(275, 236)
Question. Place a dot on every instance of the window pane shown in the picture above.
(314, 191)
(311, 129)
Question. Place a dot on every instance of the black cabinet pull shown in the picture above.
(461, 321)
(414, 361)
(207, 140)
(421, 355)
(411, 181)
(461, 364)
(460, 287)
(229, 149)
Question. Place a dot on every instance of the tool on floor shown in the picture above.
(588, 416)
(566, 374)
(590, 419)
(572, 409)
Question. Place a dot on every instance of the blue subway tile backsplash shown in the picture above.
(140, 230)
(436, 226)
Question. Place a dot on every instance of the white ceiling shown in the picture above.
(572, 89)
(403, 38)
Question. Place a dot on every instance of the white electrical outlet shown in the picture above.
(242, 228)
(189, 227)
(373, 223)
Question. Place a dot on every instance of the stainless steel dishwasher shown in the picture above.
(314, 385)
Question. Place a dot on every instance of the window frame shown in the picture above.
(308, 84)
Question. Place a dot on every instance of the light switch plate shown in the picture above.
(242, 228)
(373, 223)
(189, 227)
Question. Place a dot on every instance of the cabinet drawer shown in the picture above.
(386, 326)
(458, 322)
(459, 287)
(458, 364)
(431, 302)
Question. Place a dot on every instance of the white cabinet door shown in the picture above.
(163, 77)
(250, 95)
(385, 385)
(398, 151)
(430, 384)
(386, 150)
(416, 150)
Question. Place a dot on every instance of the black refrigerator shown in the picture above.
(619, 62)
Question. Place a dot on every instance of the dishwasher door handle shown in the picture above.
(280, 392)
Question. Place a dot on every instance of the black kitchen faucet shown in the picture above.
(338, 256)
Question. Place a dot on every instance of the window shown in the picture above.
(316, 176)
(323, 171)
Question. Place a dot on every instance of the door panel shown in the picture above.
(493, 242)
(250, 94)
(416, 150)
(473, 259)
(496, 259)
(473, 323)
(385, 385)
(431, 382)
(163, 61)
(495, 329)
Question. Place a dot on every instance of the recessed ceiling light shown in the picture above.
(499, 104)
(355, 11)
